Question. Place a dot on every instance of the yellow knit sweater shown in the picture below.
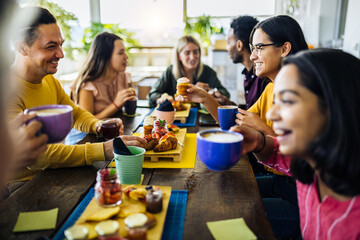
(57, 155)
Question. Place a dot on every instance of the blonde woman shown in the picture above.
(187, 63)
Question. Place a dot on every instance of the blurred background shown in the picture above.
(150, 29)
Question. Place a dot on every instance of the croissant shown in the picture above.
(151, 143)
(167, 142)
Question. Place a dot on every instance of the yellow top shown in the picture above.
(261, 106)
(57, 155)
(264, 103)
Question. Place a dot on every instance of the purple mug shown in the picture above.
(130, 107)
(57, 120)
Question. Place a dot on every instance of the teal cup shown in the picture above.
(129, 167)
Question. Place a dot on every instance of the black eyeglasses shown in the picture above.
(258, 47)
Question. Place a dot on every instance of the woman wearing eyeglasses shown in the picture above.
(318, 140)
(270, 41)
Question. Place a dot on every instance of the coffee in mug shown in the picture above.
(221, 137)
(227, 116)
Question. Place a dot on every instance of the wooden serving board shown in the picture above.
(152, 234)
(174, 154)
(179, 115)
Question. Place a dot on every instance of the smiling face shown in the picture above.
(118, 61)
(268, 63)
(231, 47)
(42, 57)
(296, 115)
(189, 56)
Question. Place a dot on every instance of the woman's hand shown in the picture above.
(250, 119)
(194, 94)
(221, 99)
(28, 145)
(123, 96)
(202, 85)
(252, 139)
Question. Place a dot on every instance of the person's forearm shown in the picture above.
(211, 105)
(264, 149)
(108, 111)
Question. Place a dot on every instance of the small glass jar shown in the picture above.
(76, 232)
(154, 200)
(136, 226)
(108, 191)
(108, 230)
(160, 129)
(182, 86)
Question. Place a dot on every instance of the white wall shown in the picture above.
(352, 28)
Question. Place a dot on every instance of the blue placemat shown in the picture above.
(74, 137)
(190, 120)
(174, 222)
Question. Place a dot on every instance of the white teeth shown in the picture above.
(279, 132)
(258, 64)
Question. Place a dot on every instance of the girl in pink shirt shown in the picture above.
(102, 87)
(316, 118)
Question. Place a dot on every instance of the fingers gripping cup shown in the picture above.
(219, 150)
(57, 120)
(109, 129)
(129, 167)
(227, 116)
(182, 86)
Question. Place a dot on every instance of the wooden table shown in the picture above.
(212, 195)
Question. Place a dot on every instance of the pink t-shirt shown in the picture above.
(105, 92)
(329, 219)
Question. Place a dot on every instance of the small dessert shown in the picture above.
(167, 142)
(173, 128)
(159, 129)
(150, 142)
(154, 200)
(107, 230)
(179, 106)
(76, 232)
(166, 112)
(148, 125)
(108, 192)
(130, 88)
(137, 194)
(164, 97)
(182, 86)
(136, 226)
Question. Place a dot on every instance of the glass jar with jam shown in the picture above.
(154, 200)
(160, 129)
(108, 230)
(136, 226)
(108, 191)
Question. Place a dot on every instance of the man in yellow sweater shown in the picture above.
(38, 51)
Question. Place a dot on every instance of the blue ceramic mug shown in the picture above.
(219, 150)
(227, 116)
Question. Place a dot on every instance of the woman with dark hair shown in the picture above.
(102, 86)
(318, 140)
(187, 63)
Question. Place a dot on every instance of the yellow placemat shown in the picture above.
(39, 220)
(152, 234)
(232, 229)
(187, 159)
